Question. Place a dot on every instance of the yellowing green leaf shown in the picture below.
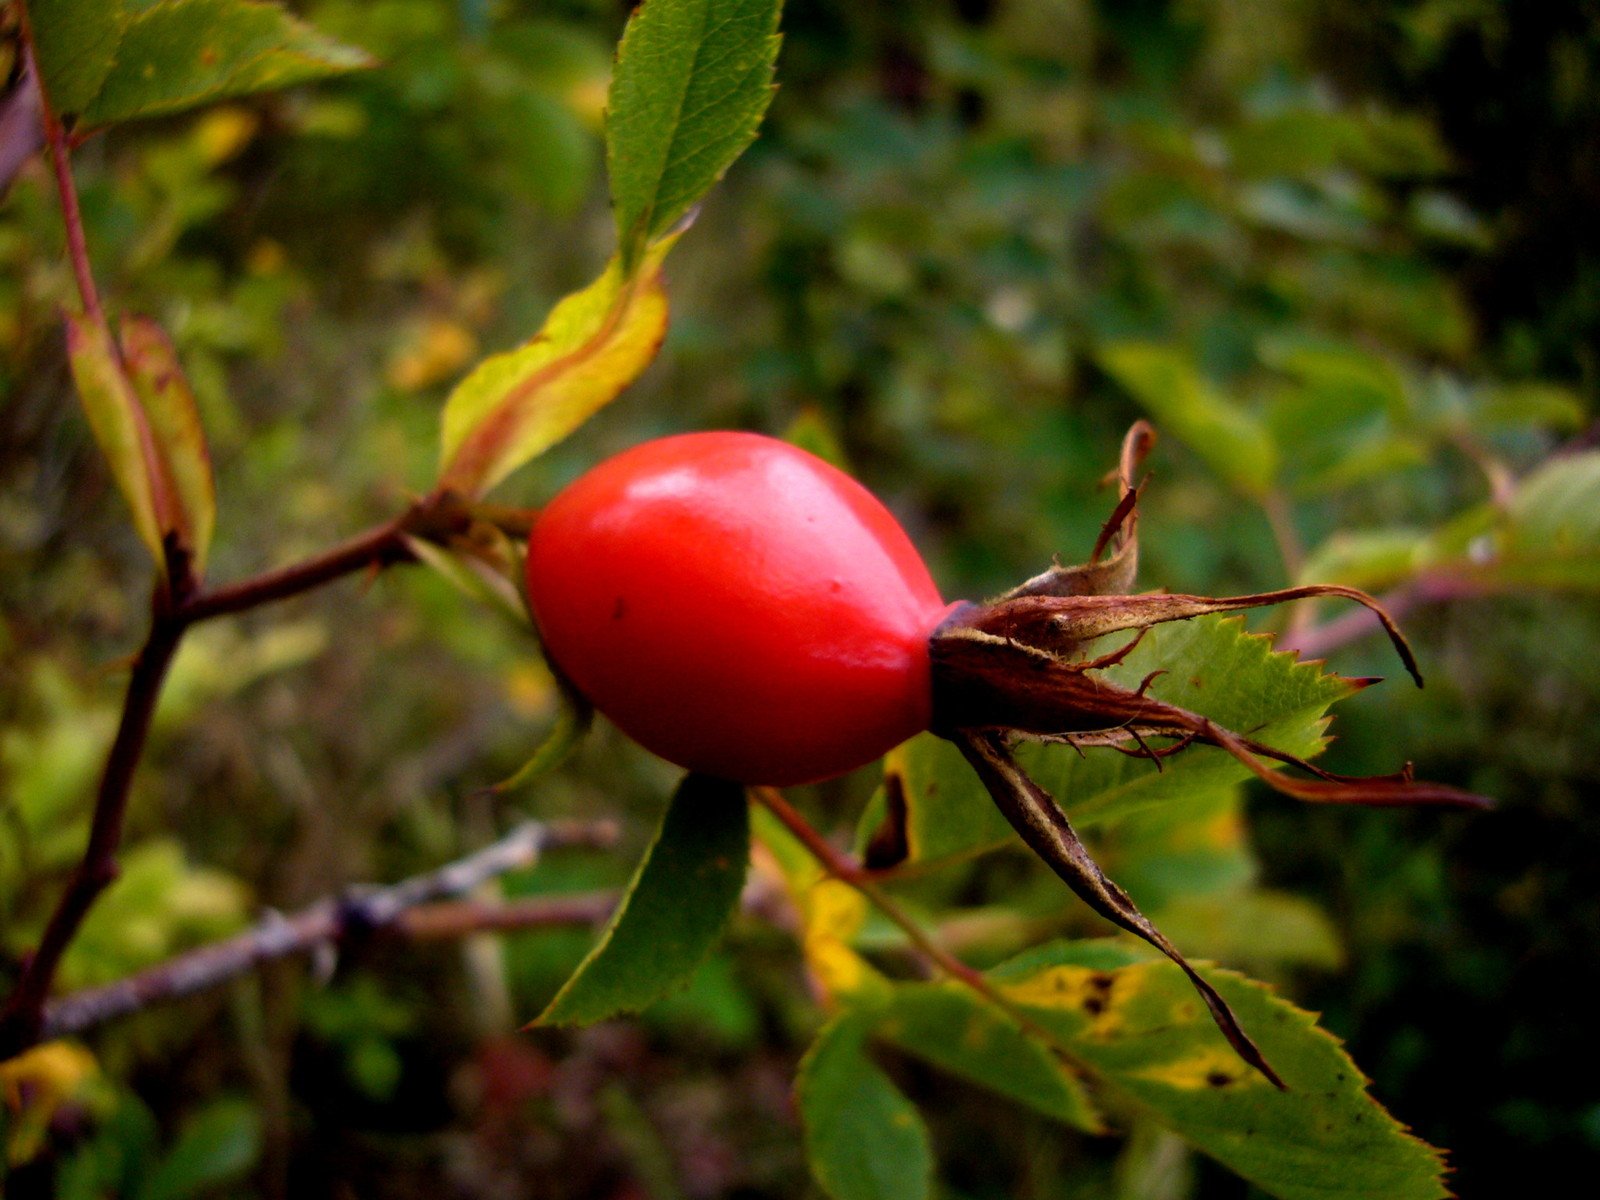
(516, 405)
(832, 915)
(1140, 1028)
(864, 1139)
(178, 437)
(680, 900)
(120, 427)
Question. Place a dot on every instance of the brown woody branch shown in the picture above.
(378, 547)
(22, 1017)
(407, 908)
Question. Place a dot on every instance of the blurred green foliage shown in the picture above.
(1341, 252)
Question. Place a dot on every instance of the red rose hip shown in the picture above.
(737, 606)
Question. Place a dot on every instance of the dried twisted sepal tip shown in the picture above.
(1020, 663)
(1048, 833)
(988, 681)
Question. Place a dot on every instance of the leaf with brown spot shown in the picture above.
(1325, 1138)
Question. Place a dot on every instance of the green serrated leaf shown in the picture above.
(1140, 1028)
(864, 1140)
(515, 406)
(693, 79)
(1213, 666)
(947, 1025)
(182, 53)
(120, 427)
(675, 909)
(1166, 382)
(75, 44)
(174, 419)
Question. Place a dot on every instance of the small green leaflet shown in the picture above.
(1165, 380)
(864, 1140)
(1138, 1026)
(573, 718)
(1554, 534)
(693, 79)
(108, 61)
(515, 406)
(1370, 559)
(948, 815)
(675, 909)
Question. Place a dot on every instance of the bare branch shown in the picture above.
(405, 908)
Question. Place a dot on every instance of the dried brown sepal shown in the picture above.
(1062, 623)
(1120, 534)
(1039, 821)
(983, 681)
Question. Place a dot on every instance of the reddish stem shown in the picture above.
(55, 137)
(22, 1017)
(848, 871)
(378, 547)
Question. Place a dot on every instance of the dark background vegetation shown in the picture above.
(952, 206)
